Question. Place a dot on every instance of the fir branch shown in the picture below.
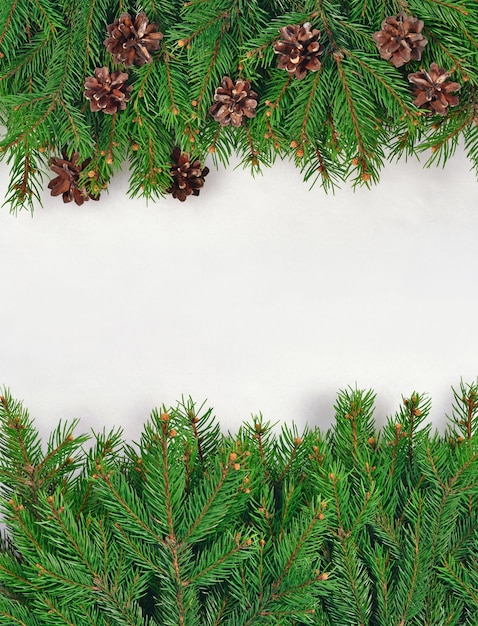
(362, 152)
(465, 410)
(132, 513)
(138, 551)
(412, 582)
(317, 515)
(211, 572)
(450, 5)
(106, 445)
(30, 59)
(56, 513)
(306, 114)
(358, 598)
(464, 588)
(8, 20)
(206, 510)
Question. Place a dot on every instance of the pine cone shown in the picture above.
(132, 42)
(233, 102)
(401, 39)
(188, 178)
(432, 91)
(107, 92)
(66, 183)
(299, 50)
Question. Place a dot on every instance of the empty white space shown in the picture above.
(259, 295)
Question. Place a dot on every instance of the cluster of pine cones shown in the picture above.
(133, 41)
(130, 42)
(400, 41)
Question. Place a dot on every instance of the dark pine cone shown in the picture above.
(132, 42)
(66, 183)
(401, 39)
(188, 178)
(299, 50)
(233, 102)
(432, 91)
(107, 92)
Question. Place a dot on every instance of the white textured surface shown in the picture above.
(259, 295)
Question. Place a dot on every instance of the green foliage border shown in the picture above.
(340, 123)
(193, 527)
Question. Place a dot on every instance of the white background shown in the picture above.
(259, 295)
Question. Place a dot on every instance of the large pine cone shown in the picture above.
(299, 50)
(233, 102)
(132, 42)
(107, 92)
(66, 183)
(432, 90)
(188, 178)
(401, 39)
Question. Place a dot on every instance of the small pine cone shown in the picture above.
(66, 183)
(107, 92)
(233, 102)
(432, 91)
(401, 39)
(188, 178)
(299, 49)
(131, 42)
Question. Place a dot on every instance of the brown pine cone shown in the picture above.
(233, 102)
(132, 42)
(432, 90)
(188, 178)
(66, 183)
(401, 39)
(299, 50)
(107, 92)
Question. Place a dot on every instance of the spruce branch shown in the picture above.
(463, 582)
(24, 469)
(205, 429)
(464, 416)
(25, 178)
